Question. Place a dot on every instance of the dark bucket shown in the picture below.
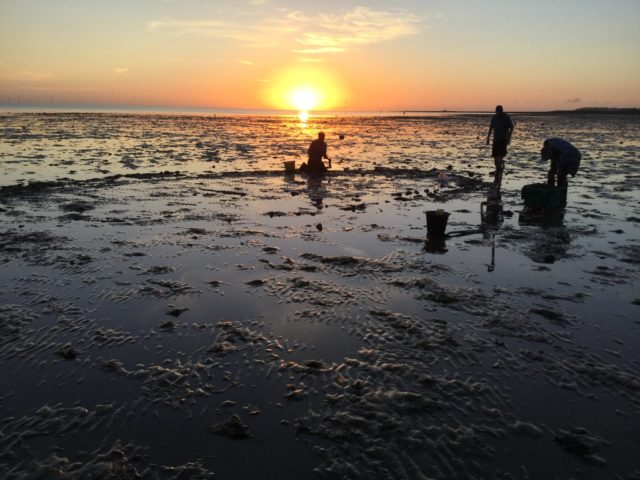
(541, 195)
(437, 222)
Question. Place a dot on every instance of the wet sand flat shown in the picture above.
(174, 306)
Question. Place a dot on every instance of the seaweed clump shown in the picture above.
(233, 428)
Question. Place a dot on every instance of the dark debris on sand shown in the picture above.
(232, 428)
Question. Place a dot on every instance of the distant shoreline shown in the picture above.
(599, 111)
(578, 111)
(124, 109)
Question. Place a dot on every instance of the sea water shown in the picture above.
(228, 319)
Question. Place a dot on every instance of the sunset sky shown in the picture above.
(335, 54)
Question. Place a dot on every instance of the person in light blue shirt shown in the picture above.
(565, 160)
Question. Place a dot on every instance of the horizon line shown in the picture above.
(276, 111)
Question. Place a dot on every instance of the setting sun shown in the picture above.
(304, 98)
(305, 89)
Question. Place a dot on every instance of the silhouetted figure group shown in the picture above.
(565, 158)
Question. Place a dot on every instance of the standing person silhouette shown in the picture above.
(317, 151)
(502, 127)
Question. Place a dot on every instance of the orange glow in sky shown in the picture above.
(319, 56)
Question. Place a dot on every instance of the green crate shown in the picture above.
(541, 195)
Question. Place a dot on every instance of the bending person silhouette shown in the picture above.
(565, 159)
(317, 151)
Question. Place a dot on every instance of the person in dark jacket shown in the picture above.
(565, 160)
(502, 127)
(317, 151)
